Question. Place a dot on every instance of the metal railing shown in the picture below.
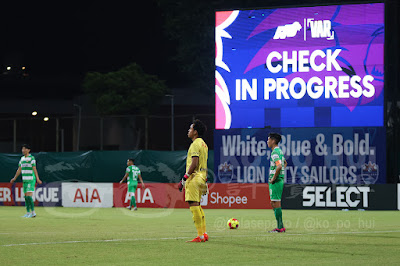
(116, 132)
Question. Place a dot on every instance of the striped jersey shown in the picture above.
(27, 164)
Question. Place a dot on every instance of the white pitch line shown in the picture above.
(174, 238)
(93, 241)
(21, 233)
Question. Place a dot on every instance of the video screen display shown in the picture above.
(319, 66)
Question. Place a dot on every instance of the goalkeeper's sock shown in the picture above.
(27, 205)
(197, 220)
(133, 201)
(32, 203)
(203, 220)
(278, 214)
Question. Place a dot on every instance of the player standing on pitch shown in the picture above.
(27, 166)
(195, 178)
(132, 173)
(276, 179)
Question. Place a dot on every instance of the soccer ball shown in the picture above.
(233, 223)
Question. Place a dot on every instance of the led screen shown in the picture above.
(300, 67)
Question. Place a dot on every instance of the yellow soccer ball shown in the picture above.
(233, 223)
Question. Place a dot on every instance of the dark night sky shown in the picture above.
(64, 41)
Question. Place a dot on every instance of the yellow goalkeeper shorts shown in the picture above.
(195, 187)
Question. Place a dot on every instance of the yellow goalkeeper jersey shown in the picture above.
(198, 148)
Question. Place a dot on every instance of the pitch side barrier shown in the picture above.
(353, 197)
(221, 196)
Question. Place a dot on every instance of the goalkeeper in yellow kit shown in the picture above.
(195, 178)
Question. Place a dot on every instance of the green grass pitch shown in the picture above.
(117, 236)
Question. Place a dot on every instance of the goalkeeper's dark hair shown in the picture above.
(199, 127)
(26, 146)
(132, 160)
(277, 137)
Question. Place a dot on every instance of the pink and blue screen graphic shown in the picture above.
(319, 66)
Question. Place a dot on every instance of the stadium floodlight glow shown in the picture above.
(8, 68)
(34, 113)
(46, 119)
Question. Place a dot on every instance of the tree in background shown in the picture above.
(126, 91)
(189, 25)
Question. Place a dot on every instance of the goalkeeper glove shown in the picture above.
(183, 182)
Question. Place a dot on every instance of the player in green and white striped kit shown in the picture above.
(132, 173)
(27, 166)
(276, 179)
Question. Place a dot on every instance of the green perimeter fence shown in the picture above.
(103, 166)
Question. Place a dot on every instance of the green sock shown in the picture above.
(32, 204)
(278, 215)
(133, 201)
(27, 204)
